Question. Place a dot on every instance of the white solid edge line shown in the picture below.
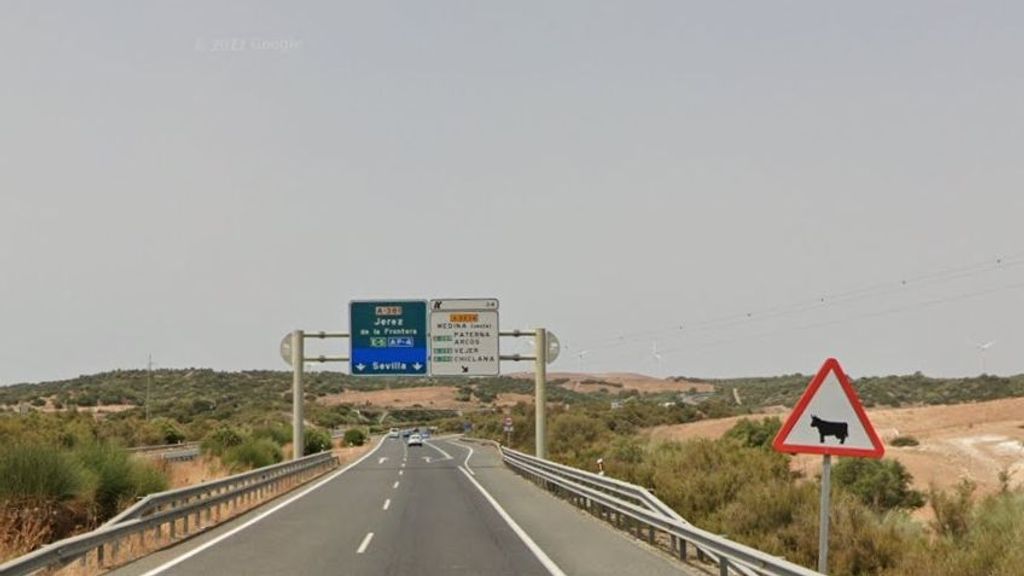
(544, 559)
(443, 453)
(366, 542)
(237, 529)
(468, 456)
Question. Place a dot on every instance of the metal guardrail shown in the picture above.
(633, 508)
(173, 452)
(170, 509)
(623, 490)
(180, 455)
(163, 447)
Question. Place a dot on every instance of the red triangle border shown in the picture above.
(830, 365)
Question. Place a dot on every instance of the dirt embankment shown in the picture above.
(615, 381)
(427, 397)
(975, 441)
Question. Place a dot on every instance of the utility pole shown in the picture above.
(149, 383)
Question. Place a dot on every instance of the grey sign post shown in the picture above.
(293, 352)
(546, 348)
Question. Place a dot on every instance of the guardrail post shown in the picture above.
(723, 566)
(650, 534)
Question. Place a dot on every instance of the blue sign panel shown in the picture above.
(388, 338)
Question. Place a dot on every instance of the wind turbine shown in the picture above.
(655, 355)
(579, 360)
(982, 348)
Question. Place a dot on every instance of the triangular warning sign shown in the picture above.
(829, 419)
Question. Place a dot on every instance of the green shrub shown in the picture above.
(953, 511)
(700, 478)
(40, 473)
(755, 434)
(119, 478)
(279, 432)
(221, 440)
(904, 441)
(317, 441)
(881, 484)
(170, 432)
(354, 437)
(252, 453)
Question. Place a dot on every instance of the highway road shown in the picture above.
(443, 508)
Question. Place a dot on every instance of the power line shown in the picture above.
(896, 310)
(877, 290)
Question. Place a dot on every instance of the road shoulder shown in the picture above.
(577, 542)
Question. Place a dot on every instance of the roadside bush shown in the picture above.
(700, 478)
(118, 478)
(33, 472)
(904, 441)
(170, 432)
(578, 439)
(252, 453)
(279, 432)
(316, 441)
(989, 543)
(952, 511)
(354, 437)
(881, 484)
(221, 440)
(754, 433)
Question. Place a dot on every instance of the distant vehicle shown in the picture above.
(393, 433)
(425, 434)
(406, 432)
(415, 440)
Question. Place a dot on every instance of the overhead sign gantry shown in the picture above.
(397, 338)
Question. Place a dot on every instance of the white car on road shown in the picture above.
(415, 440)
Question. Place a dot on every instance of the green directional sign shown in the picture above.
(388, 338)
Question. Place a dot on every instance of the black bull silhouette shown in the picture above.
(825, 428)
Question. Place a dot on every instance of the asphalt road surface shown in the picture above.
(443, 508)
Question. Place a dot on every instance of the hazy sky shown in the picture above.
(192, 180)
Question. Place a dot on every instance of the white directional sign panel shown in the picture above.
(464, 337)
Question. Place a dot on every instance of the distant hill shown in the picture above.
(188, 394)
(891, 391)
(611, 381)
